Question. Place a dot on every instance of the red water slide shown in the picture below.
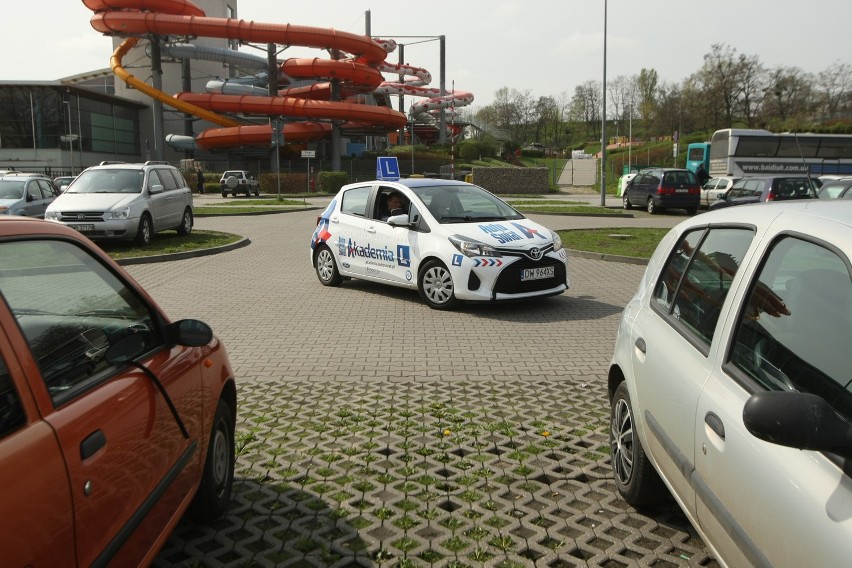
(359, 74)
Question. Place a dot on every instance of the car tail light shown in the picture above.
(663, 190)
(771, 195)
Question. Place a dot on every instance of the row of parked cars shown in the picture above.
(656, 189)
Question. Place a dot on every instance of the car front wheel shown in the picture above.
(185, 226)
(217, 481)
(326, 267)
(144, 231)
(436, 286)
(635, 476)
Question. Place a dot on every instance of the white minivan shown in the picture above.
(118, 201)
(452, 241)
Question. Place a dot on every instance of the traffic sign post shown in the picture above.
(309, 154)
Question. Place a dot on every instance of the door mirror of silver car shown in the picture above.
(797, 420)
(156, 189)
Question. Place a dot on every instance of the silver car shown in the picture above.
(714, 188)
(26, 194)
(730, 383)
(118, 201)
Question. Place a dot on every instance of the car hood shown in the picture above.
(8, 202)
(518, 233)
(92, 201)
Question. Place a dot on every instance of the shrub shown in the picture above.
(331, 182)
(290, 183)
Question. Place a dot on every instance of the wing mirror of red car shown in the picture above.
(797, 420)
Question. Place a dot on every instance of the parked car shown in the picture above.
(450, 240)
(238, 181)
(114, 420)
(715, 188)
(62, 182)
(25, 194)
(767, 188)
(657, 189)
(836, 189)
(118, 201)
(730, 383)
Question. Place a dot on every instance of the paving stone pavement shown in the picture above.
(373, 431)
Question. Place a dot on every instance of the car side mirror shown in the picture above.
(797, 420)
(157, 188)
(28, 197)
(399, 220)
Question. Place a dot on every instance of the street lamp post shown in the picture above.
(603, 120)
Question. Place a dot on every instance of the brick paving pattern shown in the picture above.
(373, 431)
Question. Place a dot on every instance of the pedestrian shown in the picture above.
(701, 174)
(200, 175)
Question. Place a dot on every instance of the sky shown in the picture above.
(546, 47)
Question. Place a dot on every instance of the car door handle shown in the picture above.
(640, 344)
(715, 424)
(92, 443)
(371, 229)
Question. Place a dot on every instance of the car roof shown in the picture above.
(427, 182)
(12, 225)
(831, 210)
(24, 175)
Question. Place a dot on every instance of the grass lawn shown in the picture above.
(584, 209)
(168, 243)
(640, 243)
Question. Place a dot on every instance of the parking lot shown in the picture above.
(373, 431)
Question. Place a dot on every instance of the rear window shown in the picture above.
(680, 178)
(794, 188)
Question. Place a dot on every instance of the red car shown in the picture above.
(114, 421)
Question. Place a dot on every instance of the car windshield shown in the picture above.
(108, 181)
(464, 204)
(11, 189)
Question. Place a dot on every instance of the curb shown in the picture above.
(607, 257)
(252, 213)
(244, 242)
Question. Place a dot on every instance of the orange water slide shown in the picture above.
(183, 17)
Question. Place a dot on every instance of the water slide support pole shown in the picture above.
(335, 124)
(272, 85)
(442, 123)
(186, 86)
(401, 95)
(157, 108)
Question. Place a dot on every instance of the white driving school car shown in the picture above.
(450, 240)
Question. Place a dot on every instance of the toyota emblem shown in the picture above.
(535, 253)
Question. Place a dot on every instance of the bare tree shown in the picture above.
(789, 97)
(835, 84)
(752, 87)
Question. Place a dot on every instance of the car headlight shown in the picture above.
(557, 241)
(120, 213)
(52, 215)
(470, 247)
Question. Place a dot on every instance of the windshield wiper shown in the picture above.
(34, 312)
(108, 312)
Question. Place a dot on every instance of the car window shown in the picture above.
(354, 201)
(33, 191)
(109, 180)
(694, 295)
(46, 187)
(653, 179)
(70, 308)
(168, 179)
(12, 414)
(712, 183)
(793, 331)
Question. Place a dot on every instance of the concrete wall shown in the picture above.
(512, 180)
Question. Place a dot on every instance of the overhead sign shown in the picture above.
(387, 168)
(309, 153)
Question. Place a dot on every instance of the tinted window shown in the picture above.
(11, 412)
(70, 308)
(354, 201)
(793, 332)
(701, 289)
(168, 179)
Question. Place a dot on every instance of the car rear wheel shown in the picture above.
(436, 286)
(625, 203)
(652, 207)
(635, 476)
(326, 267)
(217, 481)
(185, 226)
(144, 231)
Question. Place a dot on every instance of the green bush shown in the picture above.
(290, 183)
(331, 182)
(474, 149)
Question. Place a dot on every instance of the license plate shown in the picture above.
(83, 228)
(682, 190)
(537, 273)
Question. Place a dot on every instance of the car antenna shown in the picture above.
(804, 163)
